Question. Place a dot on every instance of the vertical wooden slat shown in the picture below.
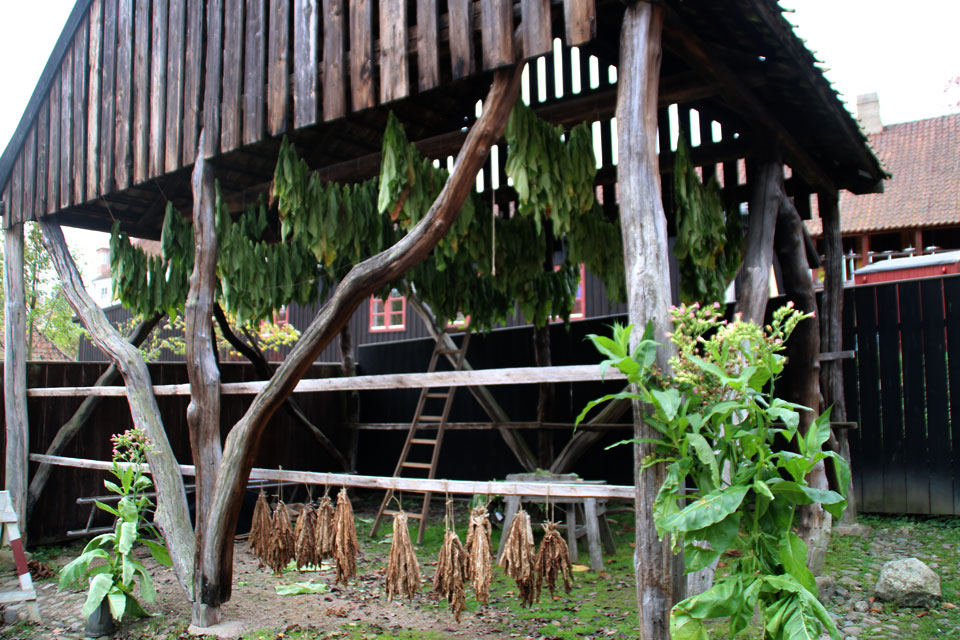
(16, 192)
(123, 156)
(158, 88)
(80, 72)
(951, 294)
(871, 461)
(394, 74)
(174, 106)
(107, 94)
(936, 401)
(141, 90)
(888, 335)
(278, 68)
(496, 17)
(43, 163)
(213, 78)
(334, 96)
(53, 156)
(93, 99)
(29, 174)
(305, 69)
(428, 65)
(916, 465)
(232, 74)
(361, 54)
(462, 57)
(580, 17)
(535, 22)
(254, 57)
(192, 80)
(851, 390)
(66, 129)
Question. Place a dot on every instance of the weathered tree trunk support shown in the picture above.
(348, 366)
(15, 374)
(215, 556)
(801, 377)
(765, 179)
(80, 417)
(203, 412)
(172, 515)
(648, 287)
(545, 397)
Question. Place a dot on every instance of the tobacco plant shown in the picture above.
(736, 463)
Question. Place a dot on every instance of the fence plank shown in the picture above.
(851, 390)
(15, 215)
(29, 174)
(43, 140)
(192, 81)
(888, 345)
(123, 152)
(213, 64)
(80, 71)
(428, 50)
(278, 68)
(254, 58)
(394, 73)
(173, 129)
(871, 460)
(334, 96)
(460, 24)
(232, 75)
(496, 17)
(580, 17)
(915, 464)
(951, 290)
(361, 54)
(158, 87)
(537, 27)
(95, 60)
(936, 400)
(53, 157)
(66, 130)
(305, 34)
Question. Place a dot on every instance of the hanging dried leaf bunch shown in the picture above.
(280, 546)
(324, 533)
(403, 572)
(517, 559)
(552, 562)
(452, 572)
(479, 558)
(305, 538)
(345, 545)
(260, 528)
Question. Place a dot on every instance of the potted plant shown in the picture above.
(107, 563)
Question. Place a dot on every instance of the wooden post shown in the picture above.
(15, 371)
(765, 180)
(648, 285)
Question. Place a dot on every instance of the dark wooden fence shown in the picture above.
(903, 388)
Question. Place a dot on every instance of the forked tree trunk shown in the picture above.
(215, 556)
(648, 286)
(80, 417)
(172, 515)
(545, 397)
(15, 374)
(348, 369)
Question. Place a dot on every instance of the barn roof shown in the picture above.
(111, 130)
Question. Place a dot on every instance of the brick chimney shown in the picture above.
(868, 112)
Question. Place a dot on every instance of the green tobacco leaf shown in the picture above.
(300, 588)
(128, 535)
(709, 509)
(843, 470)
(668, 401)
(159, 552)
(799, 625)
(685, 627)
(118, 603)
(719, 536)
(793, 557)
(97, 591)
(706, 455)
(134, 609)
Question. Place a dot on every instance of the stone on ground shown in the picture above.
(826, 587)
(233, 629)
(909, 583)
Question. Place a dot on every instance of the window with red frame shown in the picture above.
(460, 322)
(389, 314)
(579, 308)
(282, 316)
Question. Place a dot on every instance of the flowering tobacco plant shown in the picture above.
(107, 560)
(728, 491)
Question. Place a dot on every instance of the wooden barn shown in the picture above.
(113, 133)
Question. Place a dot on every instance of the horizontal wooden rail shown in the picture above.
(483, 377)
(539, 489)
(484, 426)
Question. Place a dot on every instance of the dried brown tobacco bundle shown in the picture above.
(324, 529)
(403, 572)
(553, 561)
(517, 559)
(345, 545)
(280, 546)
(305, 537)
(452, 572)
(260, 528)
(479, 555)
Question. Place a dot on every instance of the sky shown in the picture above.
(905, 53)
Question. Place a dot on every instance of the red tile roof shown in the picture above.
(924, 158)
(43, 349)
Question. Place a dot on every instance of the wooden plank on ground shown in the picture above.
(951, 293)
(305, 69)
(192, 81)
(916, 466)
(394, 72)
(213, 64)
(232, 75)
(95, 62)
(254, 57)
(53, 157)
(870, 433)
(888, 345)
(580, 18)
(334, 95)
(460, 27)
(483, 377)
(66, 130)
(537, 28)
(108, 77)
(173, 129)
(29, 173)
(158, 88)
(123, 144)
(496, 17)
(937, 398)
(428, 45)
(43, 140)
(80, 73)
(141, 90)
(278, 67)
(361, 54)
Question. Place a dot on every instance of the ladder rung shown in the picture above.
(438, 394)
(416, 465)
(409, 515)
(430, 419)
(447, 352)
(423, 441)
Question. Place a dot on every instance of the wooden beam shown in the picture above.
(15, 373)
(765, 179)
(489, 426)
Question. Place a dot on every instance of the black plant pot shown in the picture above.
(100, 622)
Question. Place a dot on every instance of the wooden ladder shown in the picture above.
(425, 435)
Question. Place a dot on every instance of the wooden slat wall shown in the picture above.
(333, 77)
(428, 45)
(66, 130)
(278, 67)
(192, 80)
(176, 29)
(124, 95)
(254, 58)
(305, 69)
(141, 91)
(232, 74)
(93, 105)
(80, 71)
(361, 54)
(53, 156)
(213, 77)
(43, 140)
(462, 57)
(394, 74)
(107, 89)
